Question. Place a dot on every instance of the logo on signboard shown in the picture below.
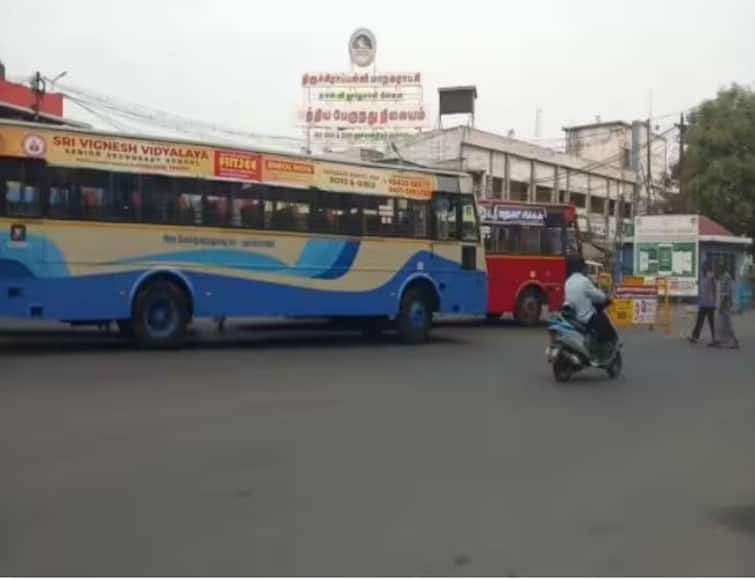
(18, 233)
(34, 146)
(362, 47)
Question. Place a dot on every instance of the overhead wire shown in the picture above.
(158, 117)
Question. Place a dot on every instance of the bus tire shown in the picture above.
(161, 315)
(529, 308)
(415, 316)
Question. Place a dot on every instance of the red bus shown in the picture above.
(526, 247)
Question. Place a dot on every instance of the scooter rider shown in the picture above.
(582, 294)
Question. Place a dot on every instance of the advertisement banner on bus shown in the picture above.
(69, 149)
(112, 153)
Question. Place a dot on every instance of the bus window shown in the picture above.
(380, 216)
(160, 204)
(288, 209)
(351, 218)
(446, 211)
(412, 218)
(215, 203)
(327, 215)
(421, 209)
(248, 207)
(22, 192)
(468, 219)
(62, 201)
(552, 241)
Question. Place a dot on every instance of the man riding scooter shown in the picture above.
(582, 295)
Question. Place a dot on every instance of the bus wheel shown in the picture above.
(415, 316)
(529, 308)
(161, 315)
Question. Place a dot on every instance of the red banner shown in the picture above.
(238, 165)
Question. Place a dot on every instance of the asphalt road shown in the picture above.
(292, 452)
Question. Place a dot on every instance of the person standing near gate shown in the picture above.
(725, 308)
(706, 307)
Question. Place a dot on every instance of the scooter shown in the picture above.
(573, 347)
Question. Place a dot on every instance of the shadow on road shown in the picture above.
(263, 337)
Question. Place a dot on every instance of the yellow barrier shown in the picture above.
(666, 313)
(640, 304)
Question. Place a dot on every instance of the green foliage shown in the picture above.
(719, 167)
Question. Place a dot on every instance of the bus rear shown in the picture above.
(526, 248)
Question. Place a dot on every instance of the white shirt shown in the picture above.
(581, 293)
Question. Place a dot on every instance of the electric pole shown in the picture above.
(648, 172)
(682, 129)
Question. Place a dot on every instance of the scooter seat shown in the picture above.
(578, 326)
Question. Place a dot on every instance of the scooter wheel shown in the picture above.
(614, 369)
(562, 369)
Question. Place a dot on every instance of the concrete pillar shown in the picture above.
(588, 197)
(489, 184)
(606, 208)
(554, 193)
(506, 177)
(531, 190)
(607, 203)
(567, 196)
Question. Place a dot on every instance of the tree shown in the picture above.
(718, 173)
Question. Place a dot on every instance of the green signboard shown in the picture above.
(678, 259)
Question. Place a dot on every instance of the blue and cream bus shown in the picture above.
(151, 234)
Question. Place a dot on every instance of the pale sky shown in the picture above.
(240, 63)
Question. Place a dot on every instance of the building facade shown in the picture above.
(625, 146)
(509, 169)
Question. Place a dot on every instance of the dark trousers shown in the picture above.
(704, 312)
(602, 328)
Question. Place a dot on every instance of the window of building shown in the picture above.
(579, 199)
(498, 187)
(518, 191)
(477, 184)
(543, 194)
